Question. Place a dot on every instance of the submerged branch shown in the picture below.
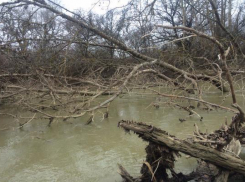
(195, 99)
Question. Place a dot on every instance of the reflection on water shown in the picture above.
(72, 151)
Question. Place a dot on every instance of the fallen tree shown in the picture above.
(219, 148)
(52, 84)
(161, 138)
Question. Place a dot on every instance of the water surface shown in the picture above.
(73, 151)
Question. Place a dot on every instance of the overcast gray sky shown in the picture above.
(97, 6)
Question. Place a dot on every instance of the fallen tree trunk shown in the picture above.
(67, 78)
(162, 138)
(83, 93)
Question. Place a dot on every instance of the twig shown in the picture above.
(194, 99)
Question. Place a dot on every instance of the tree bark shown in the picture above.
(162, 138)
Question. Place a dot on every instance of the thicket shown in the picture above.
(55, 59)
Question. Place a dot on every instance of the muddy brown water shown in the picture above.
(72, 151)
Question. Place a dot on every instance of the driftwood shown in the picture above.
(220, 162)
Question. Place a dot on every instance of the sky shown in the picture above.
(97, 6)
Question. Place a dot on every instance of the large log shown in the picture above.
(160, 137)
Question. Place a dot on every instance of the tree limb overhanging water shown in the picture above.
(55, 59)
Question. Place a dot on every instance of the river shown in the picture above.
(73, 151)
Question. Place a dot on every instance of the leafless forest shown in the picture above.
(54, 59)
